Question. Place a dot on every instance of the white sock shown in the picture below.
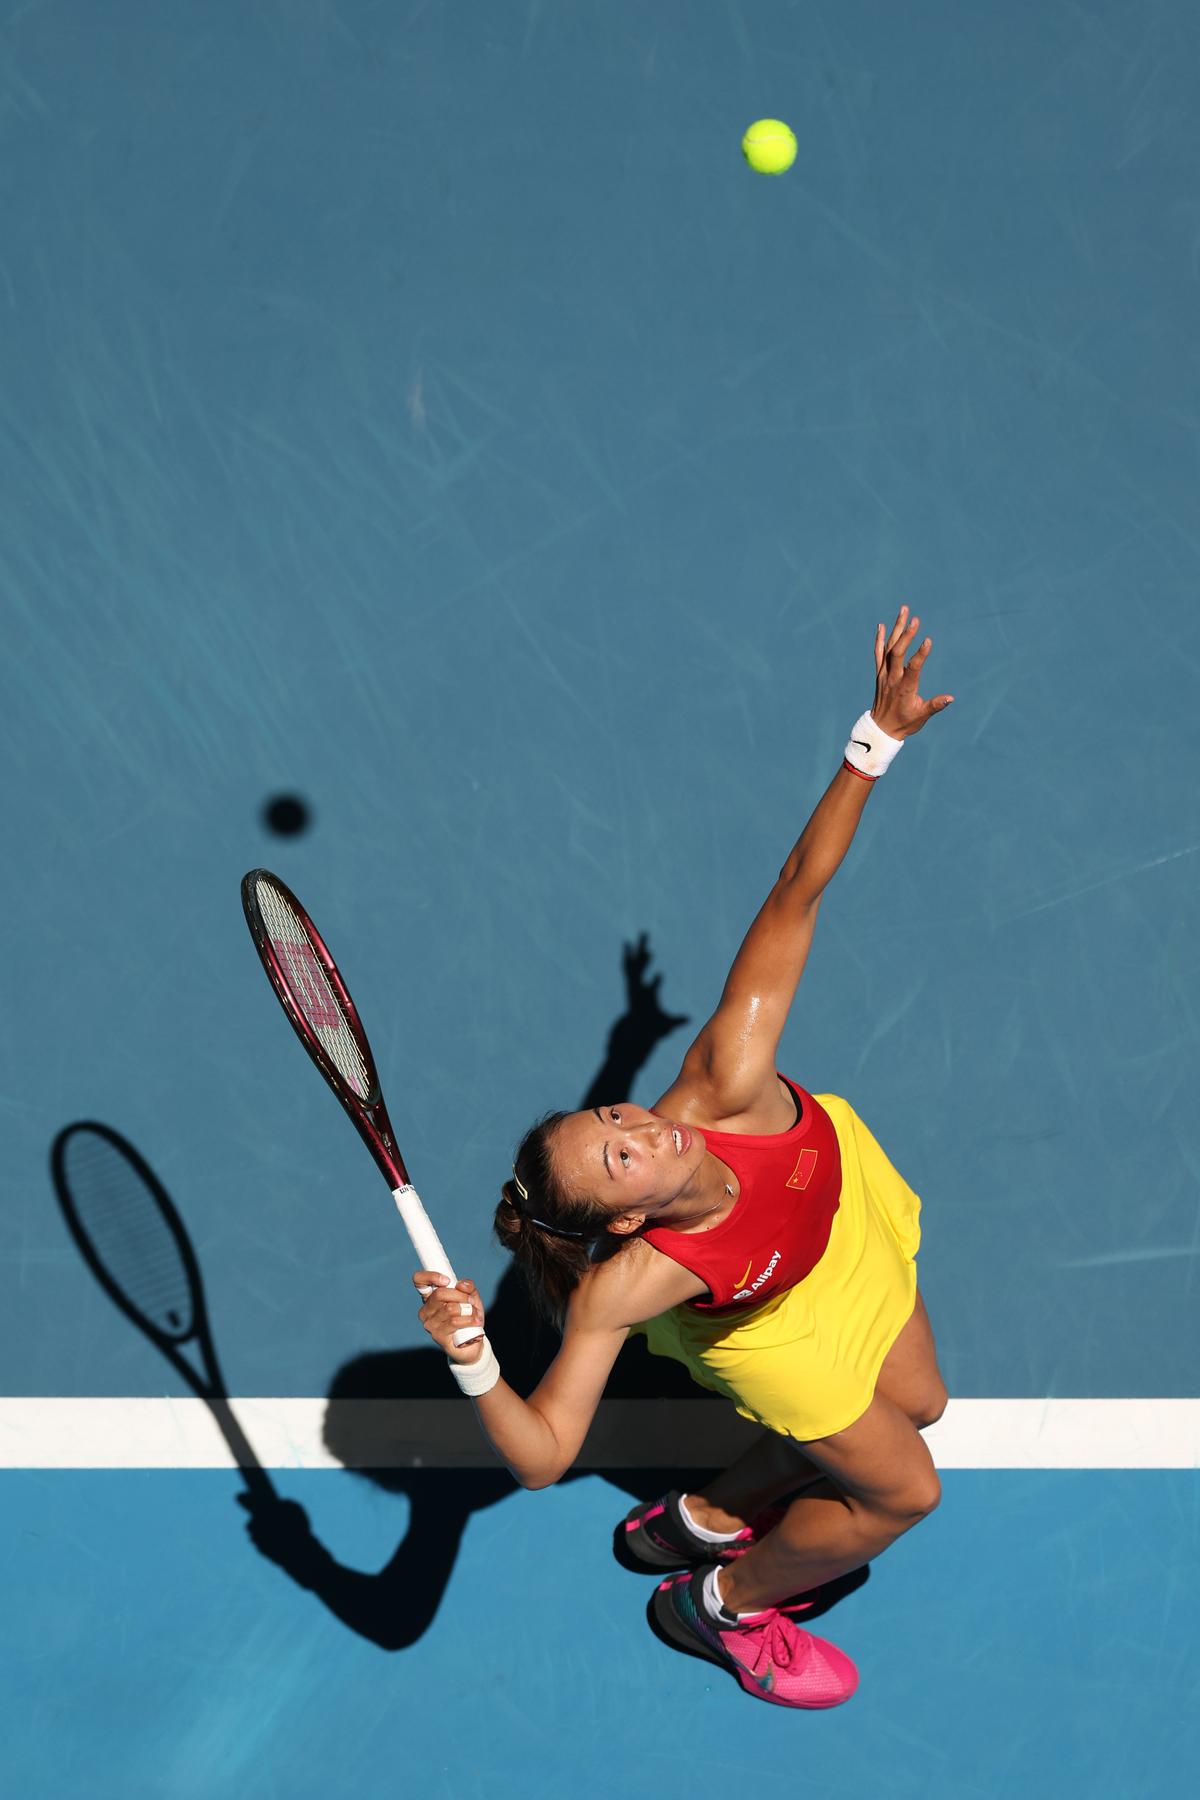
(715, 1607)
(706, 1537)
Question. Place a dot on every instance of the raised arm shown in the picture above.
(731, 1066)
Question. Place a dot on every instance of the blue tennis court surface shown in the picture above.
(434, 467)
(1036, 1635)
(1031, 1638)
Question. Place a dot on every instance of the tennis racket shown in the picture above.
(324, 1018)
(134, 1242)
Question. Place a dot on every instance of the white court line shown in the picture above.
(165, 1433)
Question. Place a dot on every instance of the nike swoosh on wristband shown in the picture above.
(859, 741)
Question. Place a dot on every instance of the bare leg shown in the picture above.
(910, 1375)
(882, 1482)
(772, 1466)
(776, 1465)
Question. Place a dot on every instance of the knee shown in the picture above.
(932, 1410)
(928, 1496)
(920, 1496)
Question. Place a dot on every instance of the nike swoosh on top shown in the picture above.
(740, 1282)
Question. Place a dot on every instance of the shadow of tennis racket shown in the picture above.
(133, 1240)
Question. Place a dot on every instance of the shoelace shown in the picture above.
(777, 1645)
(795, 1607)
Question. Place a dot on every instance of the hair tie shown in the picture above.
(557, 1230)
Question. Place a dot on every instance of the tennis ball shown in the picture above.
(769, 146)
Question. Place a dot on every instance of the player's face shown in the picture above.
(627, 1159)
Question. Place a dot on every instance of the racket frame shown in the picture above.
(368, 1114)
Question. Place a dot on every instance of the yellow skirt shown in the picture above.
(805, 1363)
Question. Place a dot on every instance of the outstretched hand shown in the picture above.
(898, 708)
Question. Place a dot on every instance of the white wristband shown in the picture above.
(478, 1377)
(870, 750)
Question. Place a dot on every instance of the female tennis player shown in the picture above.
(759, 1235)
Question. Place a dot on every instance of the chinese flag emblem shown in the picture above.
(802, 1174)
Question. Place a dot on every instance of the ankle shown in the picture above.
(732, 1597)
(720, 1599)
(712, 1518)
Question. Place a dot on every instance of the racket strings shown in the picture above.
(311, 990)
(131, 1237)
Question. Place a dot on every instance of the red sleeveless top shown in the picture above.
(779, 1227)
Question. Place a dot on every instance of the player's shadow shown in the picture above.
(394, 1606)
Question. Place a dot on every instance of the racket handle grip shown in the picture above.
(428, 1246)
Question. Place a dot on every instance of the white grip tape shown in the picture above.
(428, 1246)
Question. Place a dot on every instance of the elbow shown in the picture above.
(547, 1463)
(545, 1474)
(804, 888)
(543, 1479)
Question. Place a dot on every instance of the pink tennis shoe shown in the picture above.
(772, 1658)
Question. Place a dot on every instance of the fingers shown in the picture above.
(444, 1298)
(900, 641)
(441, 1286)
(448, 1308)
(898, 707)
(901, 628)
(442, 1319)
(898, 645)
(915, 664)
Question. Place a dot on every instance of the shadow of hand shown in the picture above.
(393, 1606)
(280, 1530)
(644, 1016)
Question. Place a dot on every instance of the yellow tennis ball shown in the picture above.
(769, 146)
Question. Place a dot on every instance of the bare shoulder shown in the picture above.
(702, 1098)
(638, 1283)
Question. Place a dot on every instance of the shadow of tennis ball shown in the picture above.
(285, 816)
